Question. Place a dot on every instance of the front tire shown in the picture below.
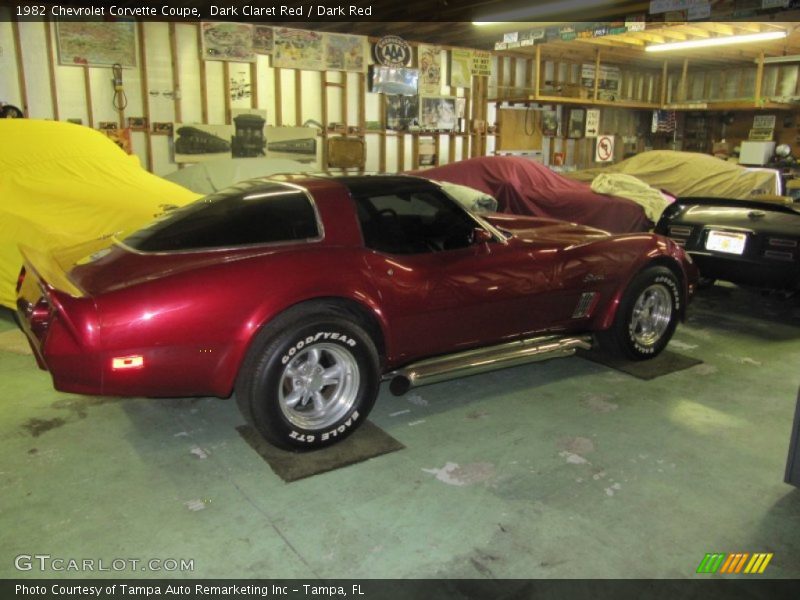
(646, 317)
(311, 383)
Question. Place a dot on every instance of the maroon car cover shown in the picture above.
(524, 187)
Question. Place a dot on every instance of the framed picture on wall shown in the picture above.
(438, 113)
(577, 123)
(96, 44)
(402, 112)
(227, 41)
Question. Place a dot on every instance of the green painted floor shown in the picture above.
(559, 469)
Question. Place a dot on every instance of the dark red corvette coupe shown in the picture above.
(299, 295)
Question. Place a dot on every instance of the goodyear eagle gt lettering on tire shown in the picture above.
(311, 383)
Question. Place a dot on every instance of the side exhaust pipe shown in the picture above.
(481, 360)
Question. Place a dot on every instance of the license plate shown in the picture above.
(726, 241)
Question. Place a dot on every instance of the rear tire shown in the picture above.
(309, 383)
(646, 317)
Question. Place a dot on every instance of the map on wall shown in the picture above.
(98, 44)
(262, 39)
(228, 41)
(298, 49)
(346, 52)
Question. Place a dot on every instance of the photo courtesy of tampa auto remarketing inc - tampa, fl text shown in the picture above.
(387, 301)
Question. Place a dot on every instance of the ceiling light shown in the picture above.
(717, 41)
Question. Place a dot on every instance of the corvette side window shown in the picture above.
(413, 222)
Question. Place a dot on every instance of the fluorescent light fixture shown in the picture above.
(717, 41)
(789, 58)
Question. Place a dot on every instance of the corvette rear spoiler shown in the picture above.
(753, 203)
(47, 269)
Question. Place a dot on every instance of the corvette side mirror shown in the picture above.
(481, 236)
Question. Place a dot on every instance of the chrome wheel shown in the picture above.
(319, 386)
(651, 316)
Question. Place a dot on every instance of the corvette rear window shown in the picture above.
(251, 212)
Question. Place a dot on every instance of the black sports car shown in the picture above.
(743, 241)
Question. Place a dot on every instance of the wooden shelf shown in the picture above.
(731, 105)
(682, 106)
(579, 101)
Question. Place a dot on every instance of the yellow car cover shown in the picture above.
(62, 184)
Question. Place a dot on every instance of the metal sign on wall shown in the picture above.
(392, 51)
(592, 122)
(604, 149)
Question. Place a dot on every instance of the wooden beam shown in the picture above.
(298, 97)
(87, 91)
(682, 84)
(226, 82)
(145, 91)
(276, 82)
(203, 78)
(596, 73)
(23, 87)
(176, 75)
(759, 79)
(254, 84)
(51, 71)
(538, 63)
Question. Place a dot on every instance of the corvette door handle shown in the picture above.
(756, 214)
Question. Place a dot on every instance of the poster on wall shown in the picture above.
(262, 39)
(460, 63)
(576, 123)
(393, 80)
(294, 143)
(481, 63)
(121, 137)
(346, 52)
(402, 112)
(99, 44)
(298, 49)
(196, 142)
(227, 41)
(438, 113)
(430, 70)
(608, 84)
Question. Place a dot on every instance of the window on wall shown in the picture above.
(413, 222)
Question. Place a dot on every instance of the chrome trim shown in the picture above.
(481, 360)
(680, 230)
(782, 243)
(778, 255)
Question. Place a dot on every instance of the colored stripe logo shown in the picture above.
(736, 562)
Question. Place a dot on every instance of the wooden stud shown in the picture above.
(759, 80)
(176, 75)
(276, 72)
(415, 150)
(145, 90)
(87, 90)
(401, 152)
(298, 97)
(51, 69)
(501, 77)
(596, 73)
(254, 84)
(203, 78)
(383, 138)
(324, 97)
(512, 76)
(538, 76)
(664, 83)
(226, 82)
(683, 81)
(23, 88)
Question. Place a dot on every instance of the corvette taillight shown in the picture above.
(20, 279)
(39, 317)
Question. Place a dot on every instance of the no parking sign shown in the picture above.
(604, 150)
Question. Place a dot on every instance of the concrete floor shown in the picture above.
(561, 469)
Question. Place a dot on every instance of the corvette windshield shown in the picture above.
(251, 212)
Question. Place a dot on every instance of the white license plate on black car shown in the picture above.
(726, 241)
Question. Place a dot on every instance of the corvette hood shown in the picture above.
(547, 231)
